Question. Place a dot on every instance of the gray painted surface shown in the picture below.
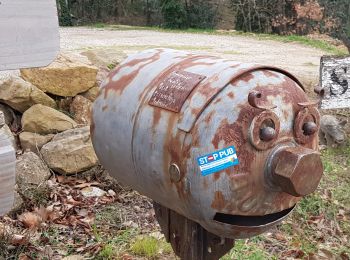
(29, 34)
(335, 80)
(7, 169)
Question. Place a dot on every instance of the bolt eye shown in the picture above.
(267, 133)
(267, 130)
(309, 128)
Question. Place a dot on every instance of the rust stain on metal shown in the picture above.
(219, 201)
(217, 100)
(231, 95)
(205, 183)
(253, 99)
(269, 73)
(247, 77)
(122, 83)
(157, 113)
(209, 117)
(237, 134)
(216, 176)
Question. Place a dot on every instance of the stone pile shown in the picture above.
(47, 115)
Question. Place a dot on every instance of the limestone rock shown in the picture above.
(9, 115)
(33, 142)
(30, 171)
(21, 95)
(81, 110)
(105, 57)
(66, 76)
(70, 152)
(5, 131)
(91, 94)
(93, 192)
(46, 120)
(18, 202)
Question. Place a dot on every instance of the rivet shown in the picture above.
(175, 174)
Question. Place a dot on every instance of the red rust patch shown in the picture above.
(237, 134)
(217, 100)
(209, 117)
(231, 95)
(216, 176)
(205, 183)
(247, 77)
(122, 83)
(269, 73)
(219, 201)
(156, 117)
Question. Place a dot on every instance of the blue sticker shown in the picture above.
(218, 160)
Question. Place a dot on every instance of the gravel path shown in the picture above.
(302, 61)
(298, 59)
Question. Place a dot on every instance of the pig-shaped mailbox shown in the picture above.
(228, 145)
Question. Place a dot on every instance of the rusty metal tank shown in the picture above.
(229, 145)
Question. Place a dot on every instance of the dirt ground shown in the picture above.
(300, 60)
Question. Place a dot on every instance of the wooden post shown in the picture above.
(189, 240)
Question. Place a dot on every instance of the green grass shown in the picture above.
(303, 40)
(177, 47)
(150, 247)
(248, 250)
(114, 247)
(130, 241)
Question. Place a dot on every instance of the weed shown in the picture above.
(112, 66)
(310, 205)
(247, 250)
(107, 252)
(51, 235)
(304, 40)
(310, 64)
(7, 252)
(108, 215)
(98, 25)
(36, 195)
(117, 245)
(149, 247)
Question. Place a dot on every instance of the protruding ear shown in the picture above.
(343, 123)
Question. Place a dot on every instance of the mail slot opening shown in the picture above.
(250, 221)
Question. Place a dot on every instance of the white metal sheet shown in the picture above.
(29, 34)
(7, 173)
(335, 81)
